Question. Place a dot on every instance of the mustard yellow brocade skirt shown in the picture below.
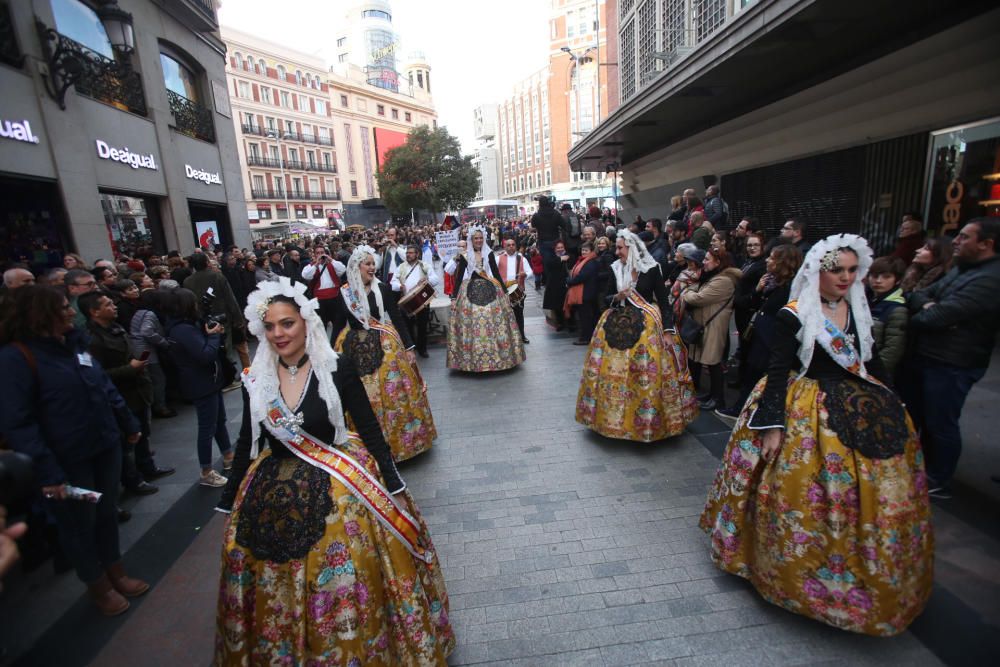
(394, 388)
(635, 384)
(310, 577)
(823, 530)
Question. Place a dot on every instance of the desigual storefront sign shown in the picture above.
(18, 130)
(206, 177)
(125, 156)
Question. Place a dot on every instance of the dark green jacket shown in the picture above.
(111, 348)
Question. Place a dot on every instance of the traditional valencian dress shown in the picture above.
(482, 331)
(377, 342)
(837, 527)
(321, 565)
(636, 384)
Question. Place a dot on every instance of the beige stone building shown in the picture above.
(310, 139)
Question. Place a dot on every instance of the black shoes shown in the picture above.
(123, 515)
(524, 339)
(708, 404)
(423, 354)
(581, 342)
(143, 489)
(164, 414)
(157, 473)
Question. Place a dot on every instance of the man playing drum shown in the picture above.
(410, 278)
(513, 270)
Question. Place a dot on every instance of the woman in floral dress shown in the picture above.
(635, 383)
(326, 560)
(482, 332)
(378, 342)
(821, 498)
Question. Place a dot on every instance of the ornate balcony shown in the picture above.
(10, 52)
(96, 76)
(191, 118)
(285, 135)
(257, 161)
(267, 193)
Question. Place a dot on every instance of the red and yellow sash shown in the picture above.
(636, 300)
(361, 483)
(839, 347)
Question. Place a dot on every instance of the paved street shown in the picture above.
(559, 547)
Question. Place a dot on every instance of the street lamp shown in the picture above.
(281, 163)
(577, 60)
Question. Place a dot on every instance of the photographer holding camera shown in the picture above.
(324, 276)
(219, 304)
(196, 343)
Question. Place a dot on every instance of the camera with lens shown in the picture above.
(207, 301)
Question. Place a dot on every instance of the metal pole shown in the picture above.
(597, 40)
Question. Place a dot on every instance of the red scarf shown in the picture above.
(574, 295)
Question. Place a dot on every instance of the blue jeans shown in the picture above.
(940, 396)
(88, 532)
(211, 412)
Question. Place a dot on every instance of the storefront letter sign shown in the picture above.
(18, 131)
(125, 156)
(206, 177)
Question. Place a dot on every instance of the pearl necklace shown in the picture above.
(293, 370)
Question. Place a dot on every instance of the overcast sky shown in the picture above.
(477, 50)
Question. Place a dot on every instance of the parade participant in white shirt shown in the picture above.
(408, 277)
(324, 275)
(391, 257)
(513, 269)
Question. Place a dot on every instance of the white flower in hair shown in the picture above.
(260, 299)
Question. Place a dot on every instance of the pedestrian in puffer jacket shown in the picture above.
(890, 317)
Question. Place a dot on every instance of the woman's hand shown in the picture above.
(622, 296)
(770, 443)
(411, 356)
(214, 328)
(762, 283)
(137, 364)
(55, 492)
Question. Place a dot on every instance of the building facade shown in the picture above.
(554, 108)
(486, 155)
(121, 145)
(312, 136)
(845, 113)
(287, 147)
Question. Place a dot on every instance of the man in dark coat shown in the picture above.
(955, 321)
(110, 347)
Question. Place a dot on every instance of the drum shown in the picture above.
(516, 294)
(417, 299)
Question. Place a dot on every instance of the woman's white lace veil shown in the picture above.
(639, 261)
(261, 379)
(805, 290)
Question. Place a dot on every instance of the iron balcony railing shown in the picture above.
(272, 163)
(191, 118)
(285, 135)
(101, 78)
(269, 162)
(268, 193)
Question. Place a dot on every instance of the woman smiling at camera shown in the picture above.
(326, 559)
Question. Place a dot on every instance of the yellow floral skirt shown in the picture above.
(310, 577)
(635, 384)
(482, 331)
(823, 530)
(394, 387)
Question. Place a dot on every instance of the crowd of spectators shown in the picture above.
(99, 352)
